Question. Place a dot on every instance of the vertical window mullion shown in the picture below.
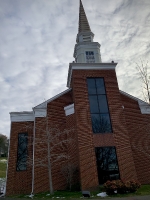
(101, 124)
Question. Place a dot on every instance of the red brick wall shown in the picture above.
(103, 140)
(58, 124)
(130, 137)
(73, 151)
(19, 182)
(40, 156)
(139, 132)
(65, 128)
(86, 139)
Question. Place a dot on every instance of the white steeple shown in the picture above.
(86, 51)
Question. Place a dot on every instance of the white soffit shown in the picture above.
(69, 110)
(144, 107)
(21, 116)
(40, 112)
(88, 66)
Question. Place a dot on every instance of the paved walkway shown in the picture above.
(129, 198)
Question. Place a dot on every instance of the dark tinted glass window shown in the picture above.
(107, 164)
(100, 86)
(100, 117)
(22, 152)
(96, 124)
(101, 123)
(94, 104)
(102, 100)
(90, 56)
(91, 86)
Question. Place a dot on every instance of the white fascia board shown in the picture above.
(40, 112)
(21, 116)
(87, 45)
(44, 104)
(144, 107)
(88, 66)
(69, 110)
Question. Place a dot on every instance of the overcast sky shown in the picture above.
(37, 39)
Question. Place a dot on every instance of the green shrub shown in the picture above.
(121, 187)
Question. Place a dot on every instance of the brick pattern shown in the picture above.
(102, 140)
(130, 137)
(86, 139)
(19, 182)
(139, 132)
(64, 127)
(40, 157)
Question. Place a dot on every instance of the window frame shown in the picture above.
(24, 151)
(103, 174)
(99, 113)
(92, 61)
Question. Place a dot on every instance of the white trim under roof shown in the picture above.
(144, 107)
(44, 104)
(40, 112)
(88, 66)
(21, 116)
(69, 110)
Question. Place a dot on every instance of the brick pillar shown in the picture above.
(87, 160)
(19, 182)
(86, 144)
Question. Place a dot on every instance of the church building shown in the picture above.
(91, 132)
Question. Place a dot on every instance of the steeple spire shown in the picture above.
(85, 51)
(84, 30)
(83, 22)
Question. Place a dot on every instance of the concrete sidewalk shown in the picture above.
(128, 198)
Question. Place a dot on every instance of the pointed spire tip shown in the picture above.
(83, 22)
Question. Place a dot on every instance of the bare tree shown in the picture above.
(144, 73)
(55, 142)
(69, 170)
(3, 145)
(52, 143)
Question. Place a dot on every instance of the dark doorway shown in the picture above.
(107, 164)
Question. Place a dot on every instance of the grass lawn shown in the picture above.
(3, 166)
(144, 190)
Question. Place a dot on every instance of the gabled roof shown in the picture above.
(44, 104)
(144, 106)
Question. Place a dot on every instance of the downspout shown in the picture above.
(33, 155)
(8, 158)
